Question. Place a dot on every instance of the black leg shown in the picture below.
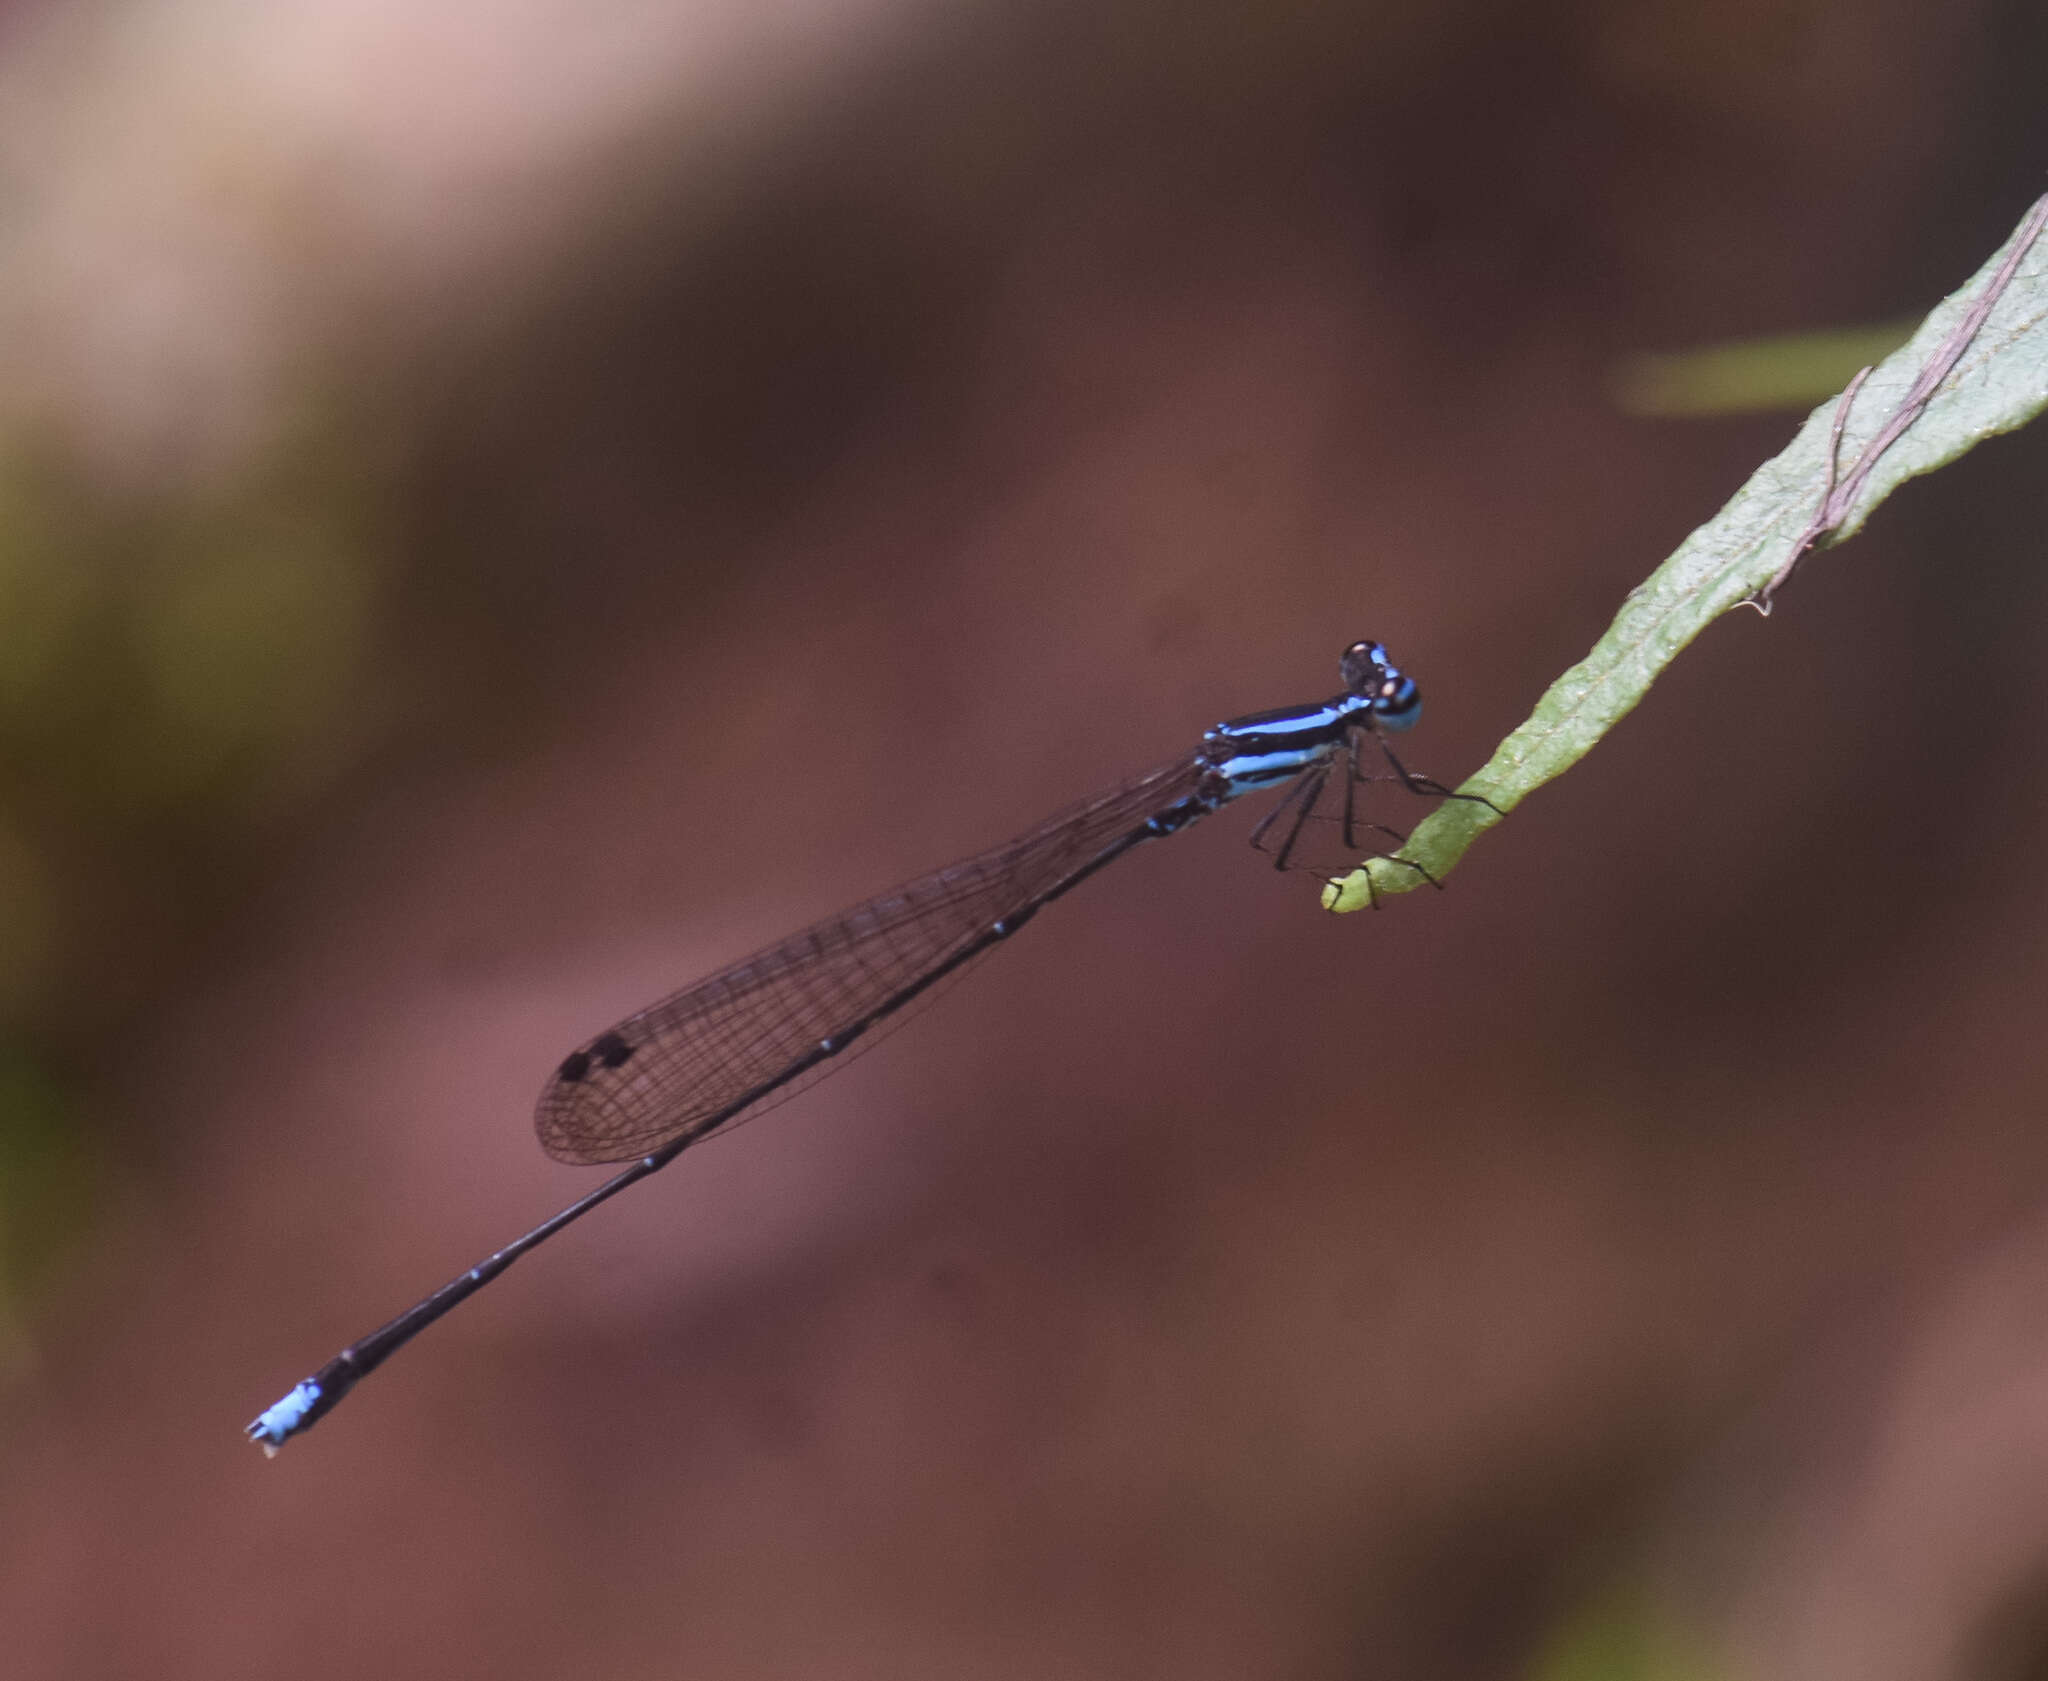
(1372, 893)
(1295, 790)
(1314, 781)
(1428, 785)
(1350, 790)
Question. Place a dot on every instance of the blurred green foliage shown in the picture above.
(1752, 376)
(186, 656)
(178, 673)
(45, 1181)
(1619, 1636)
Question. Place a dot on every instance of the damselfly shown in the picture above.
(703, 1058)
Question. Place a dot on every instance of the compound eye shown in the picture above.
(1364, 667)
(1398, 702)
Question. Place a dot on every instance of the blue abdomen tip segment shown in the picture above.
(273, 1427)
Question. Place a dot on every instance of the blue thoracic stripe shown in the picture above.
(1263, 748)
(1261, 770)
(1292, 722)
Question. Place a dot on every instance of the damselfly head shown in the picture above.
(1369, 674)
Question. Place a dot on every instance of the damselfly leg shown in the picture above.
(1302, 795)
(1305, 794)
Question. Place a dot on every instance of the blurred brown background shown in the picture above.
(504, 507)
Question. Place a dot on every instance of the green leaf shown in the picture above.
(1998, 381)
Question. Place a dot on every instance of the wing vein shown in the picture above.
(707, 1055)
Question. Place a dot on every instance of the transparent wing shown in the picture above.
(705, 1056)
